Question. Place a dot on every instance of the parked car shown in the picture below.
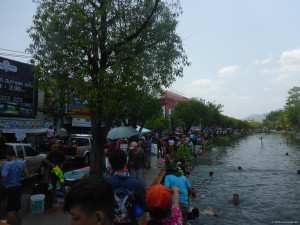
(79, 148)
(34, 161)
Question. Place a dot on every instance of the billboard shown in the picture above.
(78, 110)
(17, 88)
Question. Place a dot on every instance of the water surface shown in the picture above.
(268, 184)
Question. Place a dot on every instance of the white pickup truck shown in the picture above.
(35, 162)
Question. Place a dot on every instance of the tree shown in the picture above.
(190, 113)
(104, 51)
(292, 106)
(138, 108)
(157, 124)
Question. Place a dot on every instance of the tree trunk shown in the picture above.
(99, 137)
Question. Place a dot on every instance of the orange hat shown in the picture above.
(159, 196)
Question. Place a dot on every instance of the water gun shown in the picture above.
(58, 173)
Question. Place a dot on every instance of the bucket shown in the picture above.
(25, 202)
(37, 203)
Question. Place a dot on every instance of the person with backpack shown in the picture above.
(127, 191)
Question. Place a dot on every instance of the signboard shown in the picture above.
(17, 88)
(81, 122)
(24, 126)
(78, 110)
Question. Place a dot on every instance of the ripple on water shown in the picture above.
(269, 184)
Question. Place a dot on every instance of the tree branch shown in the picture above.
(142, 27)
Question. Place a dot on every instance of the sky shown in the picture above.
(244, 54)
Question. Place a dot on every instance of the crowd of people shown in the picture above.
(90, 200)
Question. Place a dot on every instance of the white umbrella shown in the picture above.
(122, 132)
(144, 130)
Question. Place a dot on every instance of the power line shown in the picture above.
(13, 51)
(13, 55)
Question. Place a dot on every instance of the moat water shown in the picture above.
(268, 184)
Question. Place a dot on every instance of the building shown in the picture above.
(170, 100)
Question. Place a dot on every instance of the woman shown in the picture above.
(170, 161)
(136, 162)
(158, 200)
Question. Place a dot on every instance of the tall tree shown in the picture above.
(190, 113)
(106, 50)
(292, 106)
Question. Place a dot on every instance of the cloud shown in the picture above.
(228, 70)
(287, 70)
(204, 86)
(289, 63)
(282, 78)
(201, 82)
(262, 61)
(266, 89)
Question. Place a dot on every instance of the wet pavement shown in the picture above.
(56, 216)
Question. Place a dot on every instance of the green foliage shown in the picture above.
(157, 124)
(194, 112)
(221, 141)
(290, 116)
(181, 152)
(106, 52)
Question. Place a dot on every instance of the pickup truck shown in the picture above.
(79, 148)
(35, 162)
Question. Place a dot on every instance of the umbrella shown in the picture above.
(122, 132)
(144, 130)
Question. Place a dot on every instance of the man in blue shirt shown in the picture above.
(11, 176)
(184, 185)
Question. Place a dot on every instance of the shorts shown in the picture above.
(14, 195)
(184, 211)
(2, 193)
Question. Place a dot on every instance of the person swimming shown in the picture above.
(211, 174)
(240, 168)
(235, 199)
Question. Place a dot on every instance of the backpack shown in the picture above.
(124, 206)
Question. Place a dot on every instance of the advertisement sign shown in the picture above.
(17, 88)
(24, 126)
(81, 122)
(78, 110)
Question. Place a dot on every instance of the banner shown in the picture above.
(17, 88)
(78, 110)
(81, 122)
(24, 126)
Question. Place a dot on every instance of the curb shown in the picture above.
(156, 181)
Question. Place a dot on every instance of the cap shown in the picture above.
(159, 196)
(132, 145)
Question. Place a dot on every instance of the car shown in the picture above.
(80, 148)
(35, 162)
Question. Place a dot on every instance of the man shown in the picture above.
(11, 176)
(148, 153)
(50, 133)
(91, 201)
(184, 185)
(53, 159)
(63, 134)
(127, 190)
